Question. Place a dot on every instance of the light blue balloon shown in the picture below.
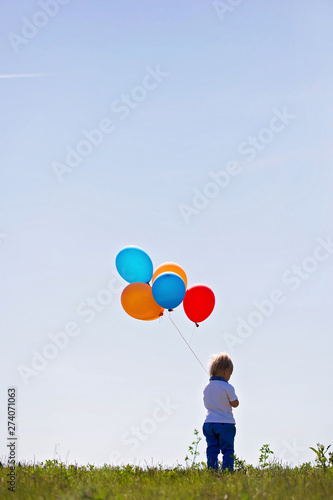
(169, 290)
(134, 265)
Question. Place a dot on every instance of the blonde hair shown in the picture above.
(219, 363)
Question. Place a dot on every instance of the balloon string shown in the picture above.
(194, 327)
(188, 345)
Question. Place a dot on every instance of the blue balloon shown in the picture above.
(168, 290)
(134, 265)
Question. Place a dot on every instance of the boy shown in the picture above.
(219, 427)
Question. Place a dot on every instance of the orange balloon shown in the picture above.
(170, 267)
(138, 301)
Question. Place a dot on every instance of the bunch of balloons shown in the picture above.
(167, 291)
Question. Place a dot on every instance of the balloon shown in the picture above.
(134, 265)
(199, 302)
(137, 300)
(168, 290)
(170, 267)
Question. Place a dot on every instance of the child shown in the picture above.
(219, 427)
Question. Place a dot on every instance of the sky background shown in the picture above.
(123, 390)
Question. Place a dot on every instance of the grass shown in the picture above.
(53, 481)
(271, 480)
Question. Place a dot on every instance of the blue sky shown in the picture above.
(219, 84)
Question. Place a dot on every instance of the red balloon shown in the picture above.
(199, 302)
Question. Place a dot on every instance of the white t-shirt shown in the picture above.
(217, 396)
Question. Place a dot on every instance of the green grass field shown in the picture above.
(55, 481)
(271, 480)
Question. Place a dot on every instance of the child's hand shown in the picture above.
(235, 403)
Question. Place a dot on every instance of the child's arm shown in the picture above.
(232, 396)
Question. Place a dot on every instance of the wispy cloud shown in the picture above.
(27, 75)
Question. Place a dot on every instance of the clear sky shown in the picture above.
(201, 132)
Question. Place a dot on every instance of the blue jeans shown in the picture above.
(220, 437)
